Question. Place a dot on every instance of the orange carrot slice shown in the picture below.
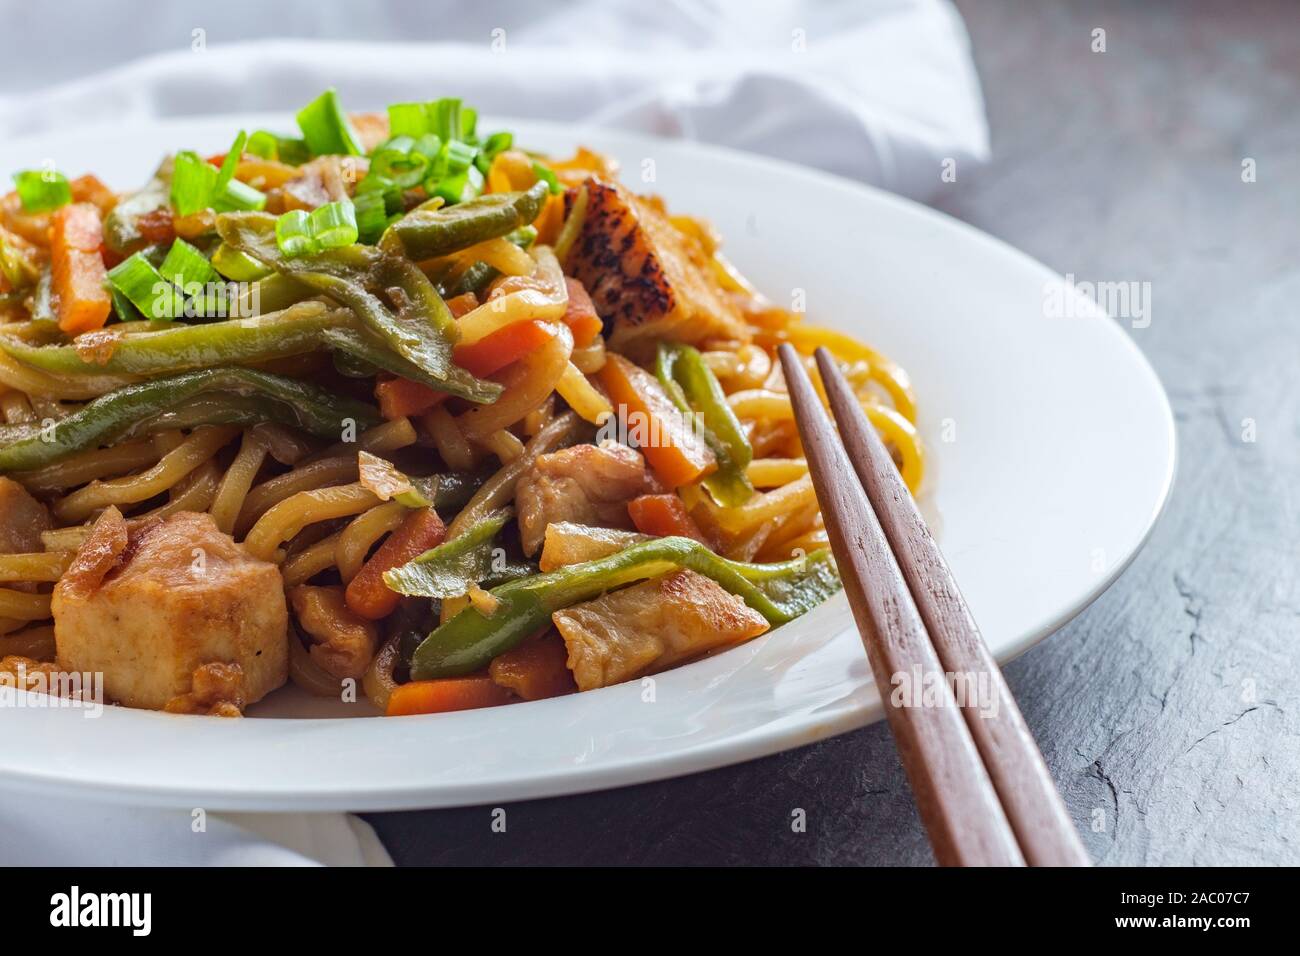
(77, 269)
(664, 516)
(367, 595)
(677, 453)
(445, 695)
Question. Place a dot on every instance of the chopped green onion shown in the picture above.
(264, 144)
(41, 190)
(239, 197)
(547, 175)
(238, 266)
(496, 143)
(293, 233)
(468, 121)
(145, 288)
(408, 119)
(445, 118)
(282, 149)
(230, 163)
(334, 225)
(185, 265)
(404, 160)
(228, 193)
(325, 127)
(193, 180)
(331, 226)
(459, 157)
(372, 216)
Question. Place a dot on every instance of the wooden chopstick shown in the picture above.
(954, 795)
(1043, 828)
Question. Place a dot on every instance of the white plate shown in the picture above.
(1059, 457)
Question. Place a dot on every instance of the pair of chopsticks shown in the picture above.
(982, 789)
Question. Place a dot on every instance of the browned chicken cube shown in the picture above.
(586, 484)
(652, 626)
(150, 604)
(654, 281)
(22, 519)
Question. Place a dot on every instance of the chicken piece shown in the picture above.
(22, 519)
(343, 642)
(149, 605)
(218, 691)
(652, 626)
(587, 484)
(534, 670)
(568, 543)
(653, 280)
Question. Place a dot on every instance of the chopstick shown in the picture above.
(980, 784)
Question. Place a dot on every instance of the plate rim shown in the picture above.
(752, 743)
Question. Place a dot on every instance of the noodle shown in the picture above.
(293, 514)
(42, 566)
(174, 466)
(448, 439)
(383, 353)
(233, 491)
(356, 540)
(582, 396)
(23, 606)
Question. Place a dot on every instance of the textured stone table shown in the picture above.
(1169, 711)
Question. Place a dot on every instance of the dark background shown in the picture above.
(1167, 711)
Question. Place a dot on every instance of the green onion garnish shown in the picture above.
(145, 288)
(283, 149)
(185, 265)
(325, 127)
(41, 190)
(444, 118)
(334, 225)
(372, 216)
(293, 233)
(408, 119)
(331, 226)
(496, 143)
(198, 185)
(545, 174)
(193, 180)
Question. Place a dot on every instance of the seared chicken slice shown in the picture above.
(652, 626)
(149, 605)
(587, 484)
(654, 281)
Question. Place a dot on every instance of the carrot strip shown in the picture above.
(402, 398)
(491, 354)
(664, 516)
(580, 316)
(367, 595)
(442, 696)
(677, 453)
(77, 269)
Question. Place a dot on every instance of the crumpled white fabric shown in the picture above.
(882, 91)
(41, 830)
(879, 90)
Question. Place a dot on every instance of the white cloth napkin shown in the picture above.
(58, 831)
(879, 90)
(882, 91)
